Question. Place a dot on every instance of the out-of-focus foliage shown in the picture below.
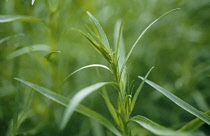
(178, 46)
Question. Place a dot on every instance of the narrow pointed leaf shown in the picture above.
(134, 45)
(100, 30)
(92, 41)
(119, 49)
(179, 102)
(25, 50)
(98, 47)
(111, 109)
(78, 98)
(9, 37)
(11, 18)
(80, 108)
(156, 128)
(85, 67)
(193, 125)
(138, 90)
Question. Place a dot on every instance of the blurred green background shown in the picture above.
(178, 46)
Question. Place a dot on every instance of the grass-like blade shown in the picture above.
(120, 50)
(100, 49)
(9, 37)
(111, 109)
(85, 67)
(80, 108)
(134, 45)
(25, 50)
(11, 18)
(77, 98)
(92, 41)
(179, 102)
(194, 124)
(156, 128)
(100, 30)
(119, 45)
(138, 90)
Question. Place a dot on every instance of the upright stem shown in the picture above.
(122, 99)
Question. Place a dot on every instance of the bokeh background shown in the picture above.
(178, 46)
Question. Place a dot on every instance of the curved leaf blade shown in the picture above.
(78, 97)
(9, 37)
(179, 102)
(98, 47)
(100, 30)
(156, 128)
(119, 44)
(111, 108)
(85, 67)
(138, 90)
(134, 45)
(193, 125)
(80, 108)
(25, 50)
(12, 18)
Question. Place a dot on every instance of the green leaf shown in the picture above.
(80, 108)
(92, 41)
(134, 45)
(9, 37)
(179, 102)
(11, 18)
(193, 125)
(111, 109)
(25, 50)
(49, 55)
(78, 97)
(156, 128)
(100, 49)
(100, 30)
(138, 90)
(88, 66)
(119, 49)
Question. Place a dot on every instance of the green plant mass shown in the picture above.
(52, 82)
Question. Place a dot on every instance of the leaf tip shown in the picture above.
(88, 12)
(141, 77)
(15, 78)
(32, 2)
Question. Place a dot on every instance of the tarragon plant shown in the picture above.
(127, 97)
